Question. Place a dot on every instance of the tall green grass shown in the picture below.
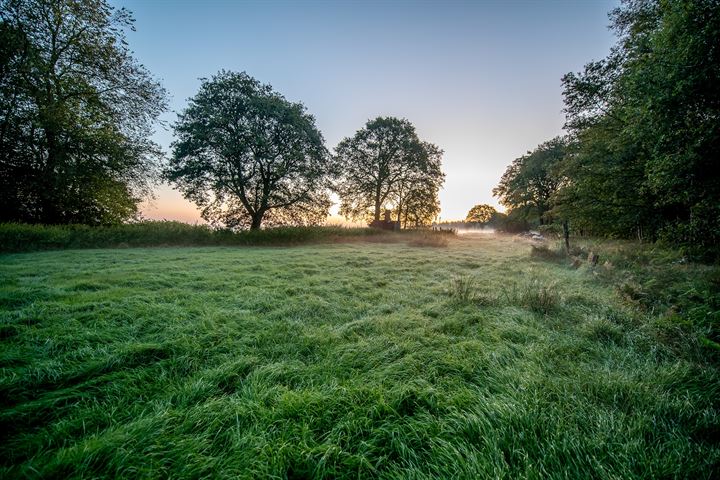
(679, 297)
(24, 238)
(348, 360)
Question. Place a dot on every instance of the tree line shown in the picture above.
(77, 114)
(643, 135)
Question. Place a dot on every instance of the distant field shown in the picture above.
(363, 360)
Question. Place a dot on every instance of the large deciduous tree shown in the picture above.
(529, 183)
(646, 122)
(419, 204)
(76, 114)
(247, 156)
(385, 163)
(481, 213)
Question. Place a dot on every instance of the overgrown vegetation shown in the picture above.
(645, 116)
(22, 238)
(350, 361)
(537, 296)
(680, 299)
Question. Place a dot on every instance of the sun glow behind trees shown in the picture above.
(460, 72)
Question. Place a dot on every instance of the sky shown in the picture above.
(479, 79)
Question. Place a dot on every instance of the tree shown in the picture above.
(645, 120)
(481, 214)
(247, 156)
(386, 163)
(76, 114)
(420, 204)
(529, 183)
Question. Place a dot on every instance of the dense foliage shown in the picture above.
(530, 182)
(76, 114)
(481, 213)
(16, 237)
(385, 163)
(246, 155)
(644, 133)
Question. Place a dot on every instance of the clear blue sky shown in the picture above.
(479, 79)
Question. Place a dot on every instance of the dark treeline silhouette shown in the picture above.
(639, 160)
(485, 217)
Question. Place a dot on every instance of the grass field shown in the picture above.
(363, 360)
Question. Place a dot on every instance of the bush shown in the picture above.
(16, 237)
(679, 298)
(699, 237)
(538, 297)
(463, 288)
(553, 230)
(511, 224)
(544, 252)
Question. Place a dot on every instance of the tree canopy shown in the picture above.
(385, 163)
(529, 183)
(420, 204)
(640, 158)
(482, 213)
(646, 121)
(76, 114)
(247, 156)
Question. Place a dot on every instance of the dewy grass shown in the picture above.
(538, 296)
(463, 288)
(337, 361)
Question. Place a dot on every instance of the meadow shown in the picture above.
(473, 357)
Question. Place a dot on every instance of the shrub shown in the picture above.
(16, 237)
(512, 224)
(554, 230)
(463, 288)
(536, 296)
(430, 239)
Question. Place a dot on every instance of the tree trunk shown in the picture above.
(566, 235)
(256, 221)
(49, 214)
(377, 202)
(377, 207)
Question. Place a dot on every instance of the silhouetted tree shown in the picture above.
(529, 183)
(76, 114)
(247, 156)
(482, 213)
(420, 204)
(416, 194)
(386, 163)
